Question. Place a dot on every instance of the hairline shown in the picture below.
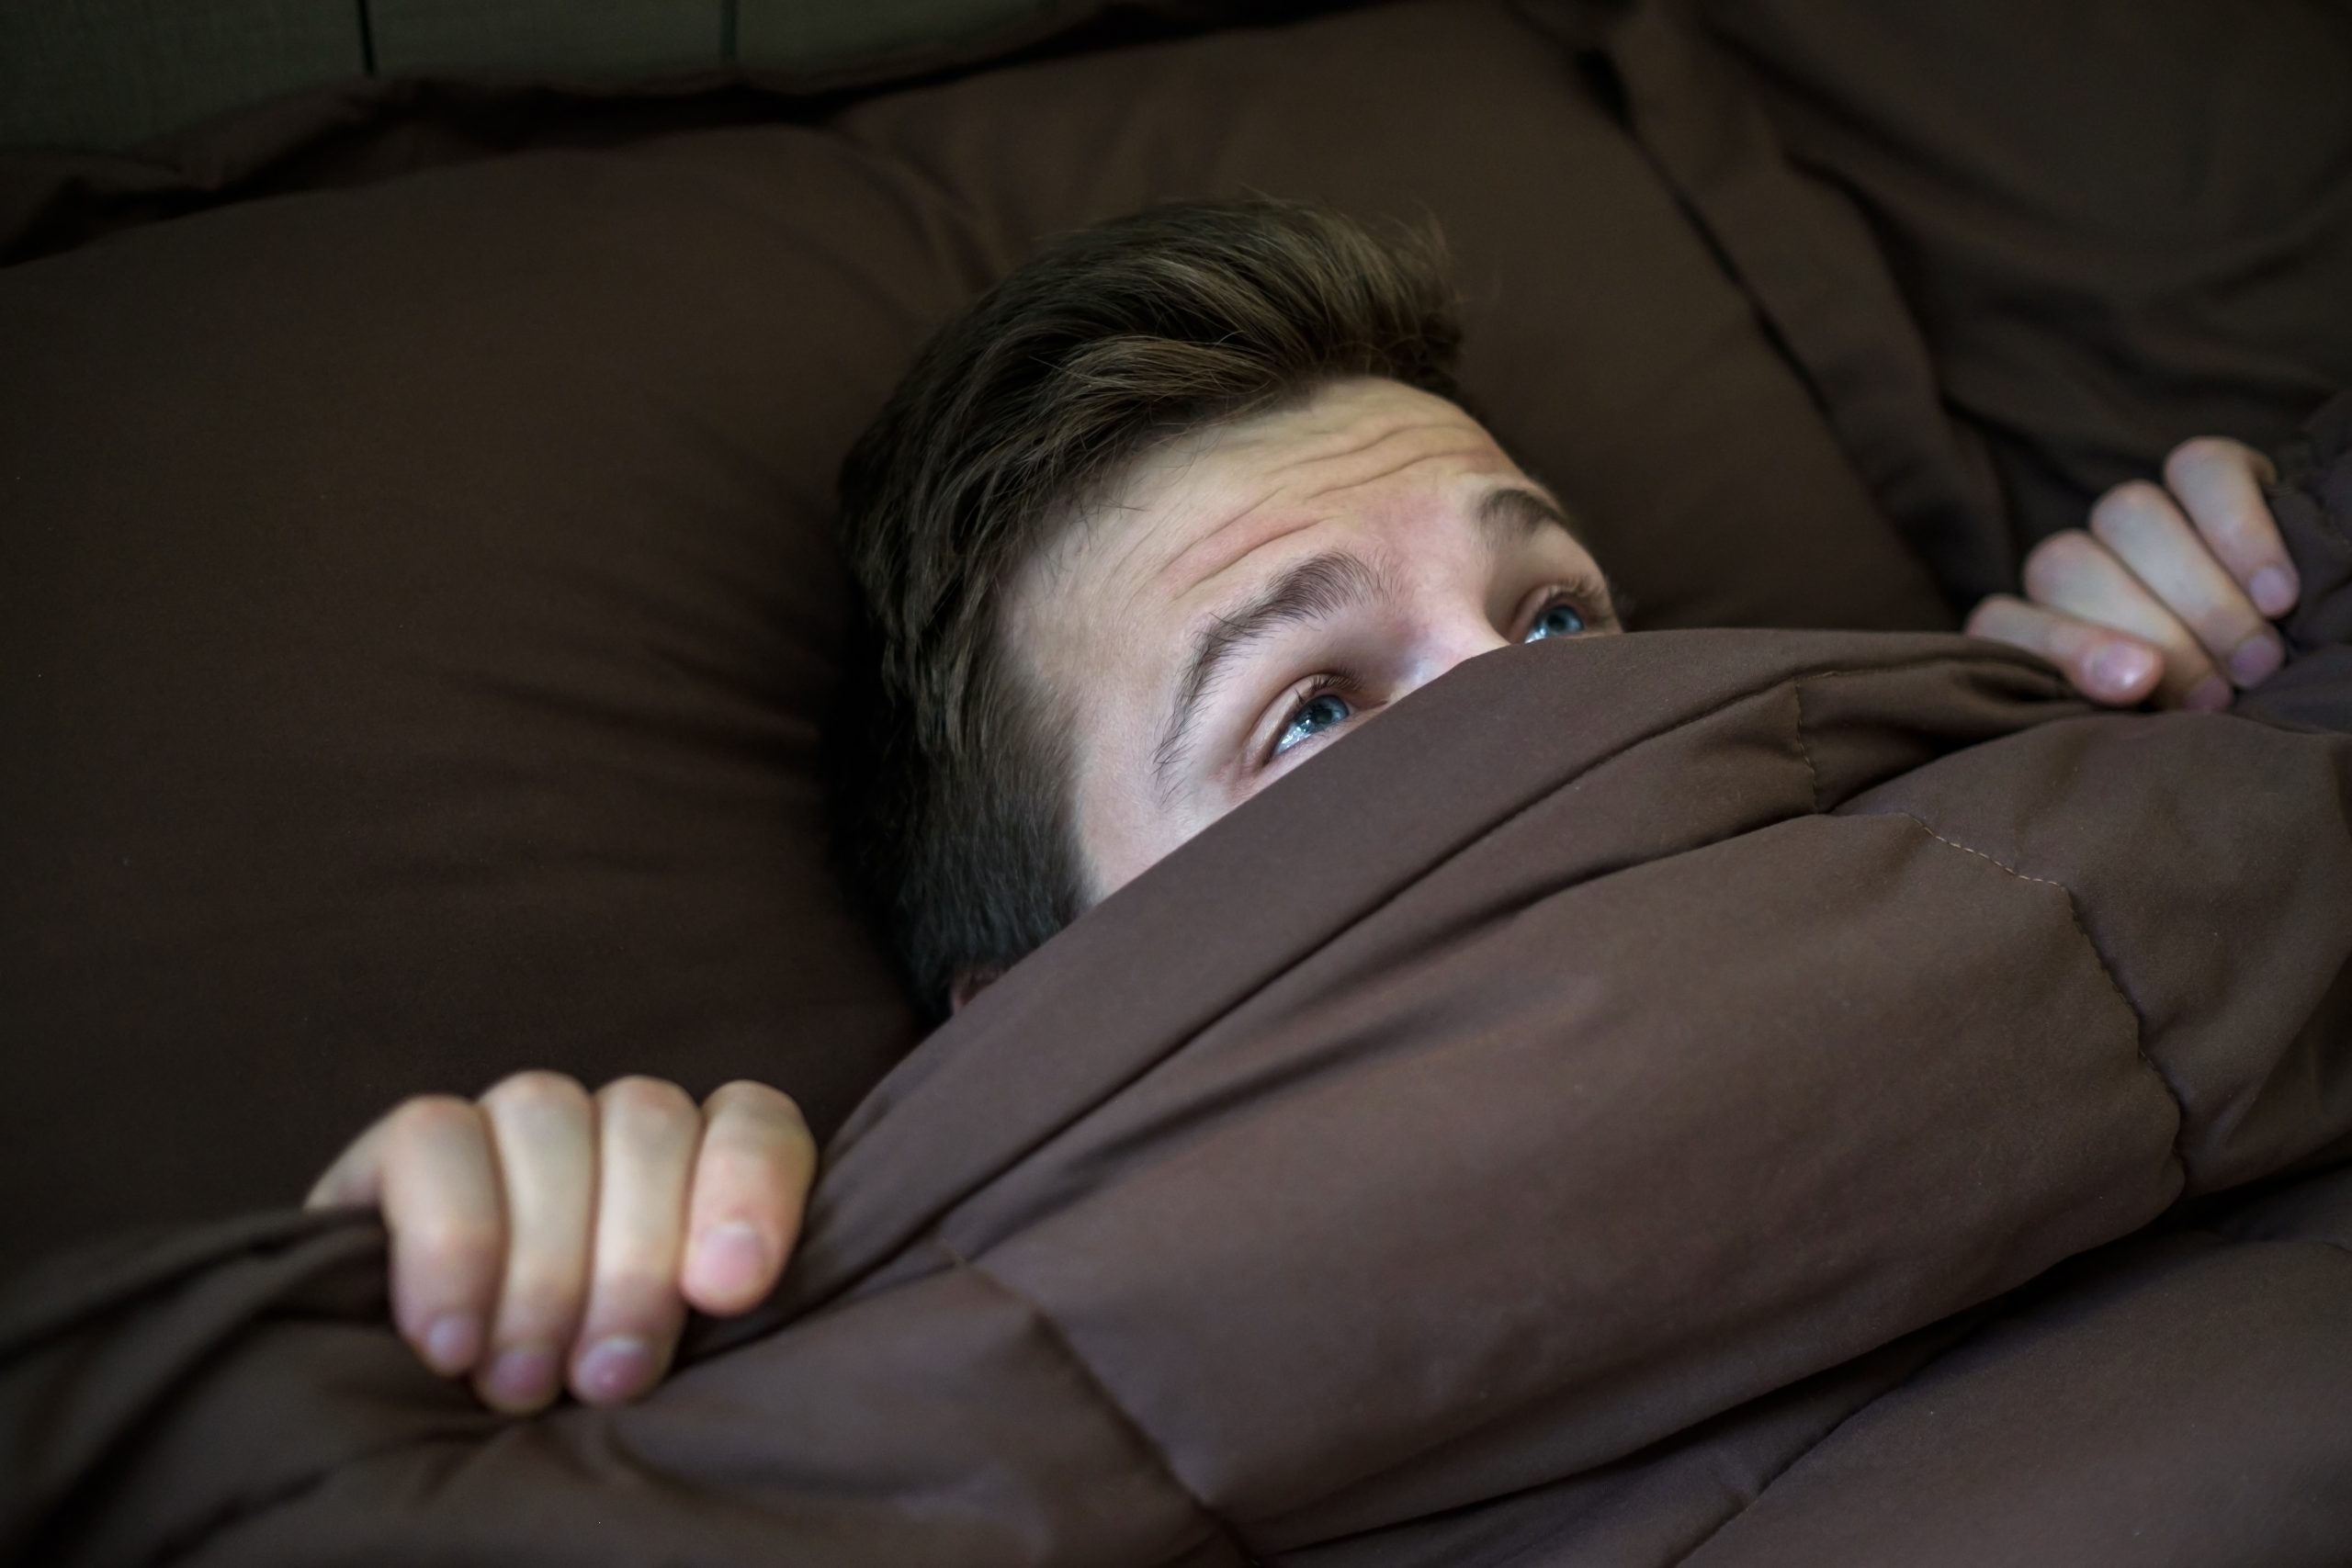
(932, 758)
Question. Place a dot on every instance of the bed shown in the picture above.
(1802, 1124)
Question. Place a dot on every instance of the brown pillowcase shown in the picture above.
(419, 599)
(418, 604)
(2119, 225)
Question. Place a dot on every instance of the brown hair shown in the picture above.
(1026, 408)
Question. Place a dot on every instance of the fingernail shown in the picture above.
(614, 1368)
(2255, 658)
(521, 1377)
(730, 1259)
(2120, 666)
(2274, 588)
(451, 1344)
(2210, 695)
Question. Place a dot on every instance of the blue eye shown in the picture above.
(1319, 713)
(1559, 618)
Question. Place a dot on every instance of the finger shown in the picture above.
(2142, 528)
(751, 1184)
(543, 1132)
(355, 1178)
(2220, 482)
(2104, 665)
(646, 1132)
(428, 1165)
(2075, 575)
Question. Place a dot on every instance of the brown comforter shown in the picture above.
(1718, 1098)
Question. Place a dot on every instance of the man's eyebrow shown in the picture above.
(1508, 513)
(1318, 586)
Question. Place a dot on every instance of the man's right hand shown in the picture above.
(542, 1237)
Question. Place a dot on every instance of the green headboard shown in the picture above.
(110, 73)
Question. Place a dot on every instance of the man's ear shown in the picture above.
(969, 984)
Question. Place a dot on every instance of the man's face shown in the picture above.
(1260, 587)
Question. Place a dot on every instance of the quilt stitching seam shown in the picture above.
(2139, 1035)
(1995, 1315)
(2073, 913)
(1053, 1335)
(1966, 1336)
(1805, 746)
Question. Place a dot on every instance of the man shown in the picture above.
(1165, 513)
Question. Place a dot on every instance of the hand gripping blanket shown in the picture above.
(1712, 1097)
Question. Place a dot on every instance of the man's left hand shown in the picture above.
(2169, 592)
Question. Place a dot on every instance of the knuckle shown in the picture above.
(2049, 562)
(747, 1094)
(425, 1122)
(1994, 615)
(430, 1112)
(652, 1098)
(2128, 512)
(2201, 452)
(536, 1088)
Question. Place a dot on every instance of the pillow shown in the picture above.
(419, 597)
(2135, 230)
(1605, 343)
(418, 604)
(115, 72)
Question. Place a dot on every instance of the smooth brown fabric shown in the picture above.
(416, 598)
(1805, 254)
(2118, 223)
(383, 122)
(1683, 1098)
(418, 608)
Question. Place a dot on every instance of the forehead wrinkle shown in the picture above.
(1389, 432)
(1324, 492)
(1094, 543)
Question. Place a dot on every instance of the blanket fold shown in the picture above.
(1727, 1098)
